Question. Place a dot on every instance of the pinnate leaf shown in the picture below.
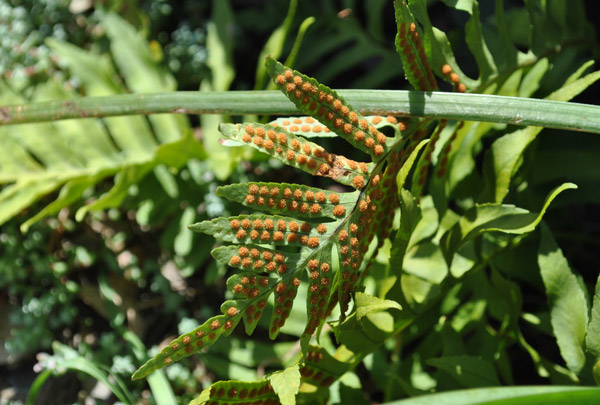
(260, 244)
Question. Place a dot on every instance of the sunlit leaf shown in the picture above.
(567, 302)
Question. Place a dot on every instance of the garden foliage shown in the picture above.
(336, 234)
(424, 266)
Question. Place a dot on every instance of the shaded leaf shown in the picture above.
(70, 360)
(219, 46)
(410, 215)
(438, 47)
(494, 217)
(474, 38)
(141, 72)
(469, 371)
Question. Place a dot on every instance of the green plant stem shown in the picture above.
(435, 105)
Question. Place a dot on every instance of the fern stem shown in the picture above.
(435, 105)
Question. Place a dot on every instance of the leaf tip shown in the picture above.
(139, 374)
(571, 186)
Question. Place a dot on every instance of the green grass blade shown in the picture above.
(36, 386)
(437, 105)
(161, 389)
(534, 395)
(72, 360)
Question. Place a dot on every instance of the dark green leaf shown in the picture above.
(495, 217)
(469, 371)
(474, 38)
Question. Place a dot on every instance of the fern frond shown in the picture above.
(317, 223)
(38, 159)
(312, 375)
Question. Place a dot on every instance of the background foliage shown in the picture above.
(130, 273)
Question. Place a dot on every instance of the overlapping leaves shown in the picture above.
(308, 220)
(303, 237)
(37, 159)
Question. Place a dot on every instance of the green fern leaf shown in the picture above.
(38, 159)
(316, 222)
